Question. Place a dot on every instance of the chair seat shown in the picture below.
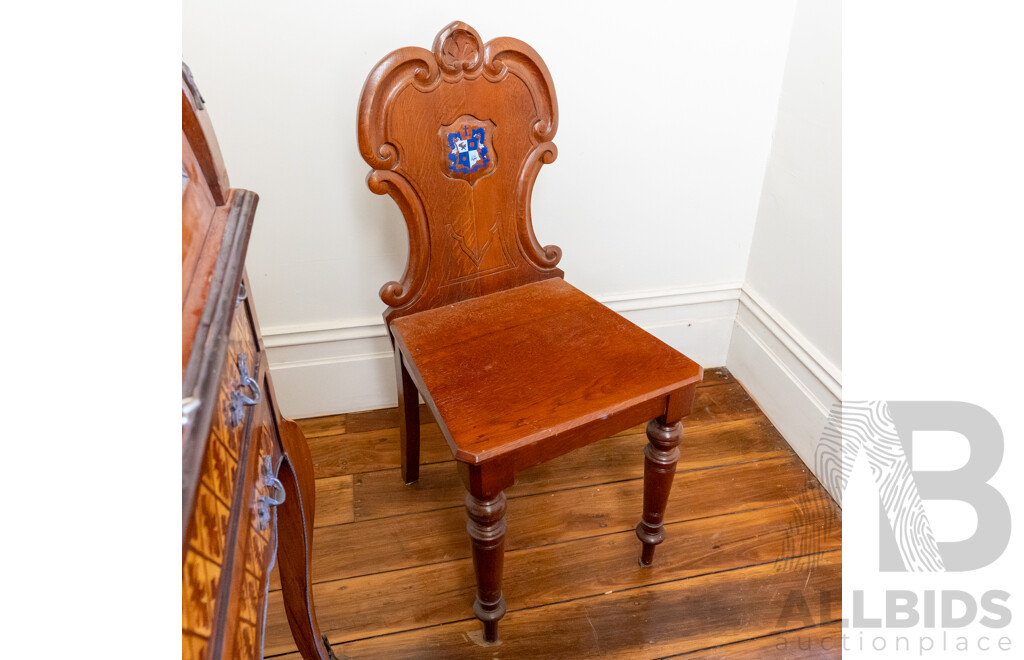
(498, 374)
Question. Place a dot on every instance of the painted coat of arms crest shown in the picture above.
(468, 148)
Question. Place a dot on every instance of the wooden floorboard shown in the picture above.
(652, 621)
(747, 524)
(820, 641)
(544, 518)
(382, 494)
(439, 593)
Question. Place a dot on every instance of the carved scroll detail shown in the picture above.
(549, 255)
(504, 54)
(396, 294)
(405, 66)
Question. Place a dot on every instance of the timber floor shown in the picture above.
(751, 567)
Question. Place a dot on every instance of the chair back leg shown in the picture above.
(409, 420)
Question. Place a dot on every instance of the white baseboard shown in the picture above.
(785, 374)
(328, 368)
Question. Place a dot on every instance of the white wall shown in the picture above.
(666, 117)
(786, 347)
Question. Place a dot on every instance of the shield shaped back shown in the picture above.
(456, 136)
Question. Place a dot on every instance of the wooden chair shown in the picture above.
(517, 365)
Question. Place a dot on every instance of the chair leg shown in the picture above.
(486, 528)
(409, 420)
(661, 455)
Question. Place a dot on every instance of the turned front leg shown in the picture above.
(486, 528)
(661, 455)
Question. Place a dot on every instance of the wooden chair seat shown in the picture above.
(521, 372)
(517, 365)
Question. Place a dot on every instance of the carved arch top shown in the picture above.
(467, 235)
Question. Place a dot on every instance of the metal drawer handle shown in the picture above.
(264, 500)
(248, 381)
(241, 293)
(239, 400)
(188, 406)
(277, 493)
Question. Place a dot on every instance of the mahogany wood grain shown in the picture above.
(517, 366)
(387, 418)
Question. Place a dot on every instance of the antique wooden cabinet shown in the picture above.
(247, 480)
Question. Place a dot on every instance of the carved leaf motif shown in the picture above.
(459, 48)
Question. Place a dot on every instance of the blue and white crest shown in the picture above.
(468, 150)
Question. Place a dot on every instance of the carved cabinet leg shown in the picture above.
(661, 455)
(409, 420)
(486, 528)
(295, 541)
